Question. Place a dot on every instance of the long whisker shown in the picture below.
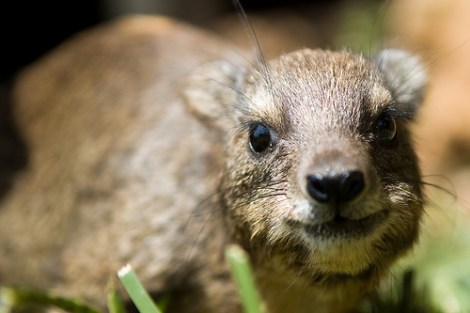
(255, 44)
(378, 22)
(198, 235)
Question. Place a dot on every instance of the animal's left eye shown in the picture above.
(386, 128)
(260, 138)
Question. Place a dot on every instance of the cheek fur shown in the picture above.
(255, 192)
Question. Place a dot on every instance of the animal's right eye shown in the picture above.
(386, 128)
(260, 138)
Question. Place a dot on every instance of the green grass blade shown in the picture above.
(22, 297)
(136, 291)
(244, 281)
(114, 299)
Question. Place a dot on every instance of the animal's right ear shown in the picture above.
(405, 76)
(211, 93)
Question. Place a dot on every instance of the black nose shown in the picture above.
(338, 188)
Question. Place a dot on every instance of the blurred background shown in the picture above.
(32, 28)
(436, 30)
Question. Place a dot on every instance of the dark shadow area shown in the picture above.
(13, 151)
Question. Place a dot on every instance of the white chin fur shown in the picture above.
(336, 254)
(341, 255)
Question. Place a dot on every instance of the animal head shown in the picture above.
(319, 164)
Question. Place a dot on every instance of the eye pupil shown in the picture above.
(260, 138)
(386, 128)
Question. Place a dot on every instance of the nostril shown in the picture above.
(352, 185)
(319, 187)
(338, 188)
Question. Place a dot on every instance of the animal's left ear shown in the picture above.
(405, 77)
(211, 93)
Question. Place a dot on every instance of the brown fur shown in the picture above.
(123, 171)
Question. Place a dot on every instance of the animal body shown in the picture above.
(155, 144)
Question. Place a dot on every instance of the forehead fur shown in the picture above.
(328, 87)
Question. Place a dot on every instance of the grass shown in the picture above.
(413, 291)
(14, 298)
(24, 299)
(136, 291)
(242, 275)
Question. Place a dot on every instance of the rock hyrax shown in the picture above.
(146, 150)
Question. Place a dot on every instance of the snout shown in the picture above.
(339, 184)
(336, 188)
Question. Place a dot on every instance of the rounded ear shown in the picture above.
(405, 77)
(211, 93)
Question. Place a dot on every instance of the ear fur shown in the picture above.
(211, 93)
(405, 77)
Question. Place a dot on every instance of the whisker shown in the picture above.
(249, 30)
(196, 213)
(198, 235)
(236, 107)
(446, 54)
(380, 17)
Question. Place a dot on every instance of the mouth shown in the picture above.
(342, 227)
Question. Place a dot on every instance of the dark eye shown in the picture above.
(260, 138)
(386, 128)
